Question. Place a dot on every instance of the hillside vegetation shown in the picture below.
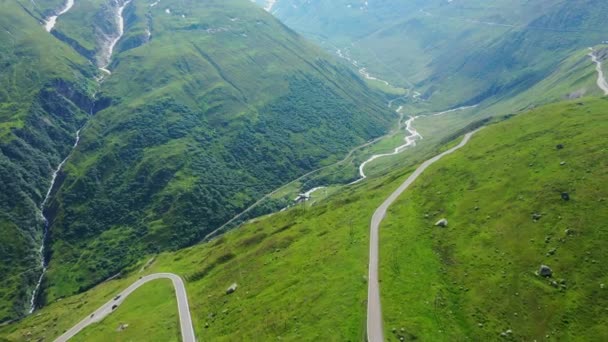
(210, 105)
(302, 273)
(207, 107)
(151, 311)
(453, 52)
(220, 105)
(503, 196)
(45, 96)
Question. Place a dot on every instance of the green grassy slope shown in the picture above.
(151, 311)
(477, 277)
(301, 273)
(220, 106)
(301, 276)
(44, 98)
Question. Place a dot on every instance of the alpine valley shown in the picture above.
(319, 170)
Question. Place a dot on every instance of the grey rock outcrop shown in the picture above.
(232, 288)
(545, 271)
(442, 223)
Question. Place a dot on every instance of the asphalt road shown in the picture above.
(185, 319)
(375, 332)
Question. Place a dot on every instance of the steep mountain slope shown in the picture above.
(452, 52)
(524, 193)
(209, 106)
(151, 311)
(574, 78)
(203, 107)
(301, 273)
(45, 97)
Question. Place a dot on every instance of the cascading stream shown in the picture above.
(106, 56)
(410, 140)
(52, 20)
(106, 60)
(601, 80)
(43, 261)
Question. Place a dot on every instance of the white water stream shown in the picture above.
(269, 5)
(362, 70)
(43, 261)
(106, 55)
(106, 61)
(368, 76)
(601, 80)
(52, 20)
(410, 140)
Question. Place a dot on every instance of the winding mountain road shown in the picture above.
(185, 320)
(601, 80)
(375, 332)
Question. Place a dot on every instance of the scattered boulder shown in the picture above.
(562, 163)
(122, 327)
(559, 146)
(231, 289)
(536, 216)
(565, 196)
(442, 223)
(545, 271)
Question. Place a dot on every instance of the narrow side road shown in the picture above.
(185, 320)
(375, 332)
